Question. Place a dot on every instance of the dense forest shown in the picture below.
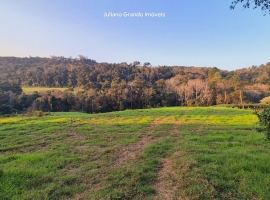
(118, 86)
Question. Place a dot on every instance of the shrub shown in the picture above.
(264, 121)
(47, 114)
(8, 115)
(246, 106)
(38, 113)
(5, 109)
(265, 100)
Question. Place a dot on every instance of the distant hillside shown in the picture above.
(116, 86)
(74, 72)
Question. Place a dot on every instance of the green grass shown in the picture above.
(164, 153)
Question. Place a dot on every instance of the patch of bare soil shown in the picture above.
(158, 121)
(131, 151)
(168, 182)
(85, 148)
(199, 131)
(164, 186)
(171, 178)
(87, 195)
(74, 136)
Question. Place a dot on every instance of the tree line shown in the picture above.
(108, 87)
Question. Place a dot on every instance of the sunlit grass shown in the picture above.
(29, 90)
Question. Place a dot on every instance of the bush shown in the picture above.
(9, 115)
(5, 109)
(246, 106)
(265, 100)
(264, 121)
(46, 114)
(38, 113)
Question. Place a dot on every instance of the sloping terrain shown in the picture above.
(163, 153)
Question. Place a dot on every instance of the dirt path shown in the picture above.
(168, 182)
(127, 153)
(165, 186)
(133, 150)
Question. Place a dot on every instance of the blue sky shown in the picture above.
(193, 32)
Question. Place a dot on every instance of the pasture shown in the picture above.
(29, 90)
(162, 153)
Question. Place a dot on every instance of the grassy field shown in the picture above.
(164, 153)
(29, 90)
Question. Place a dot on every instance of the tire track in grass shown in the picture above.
(167, 183)
(131, 151)
(173, 174)
(133, 181)
(127, 153)
(165, 186)
(179, 177)
(147, 145)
